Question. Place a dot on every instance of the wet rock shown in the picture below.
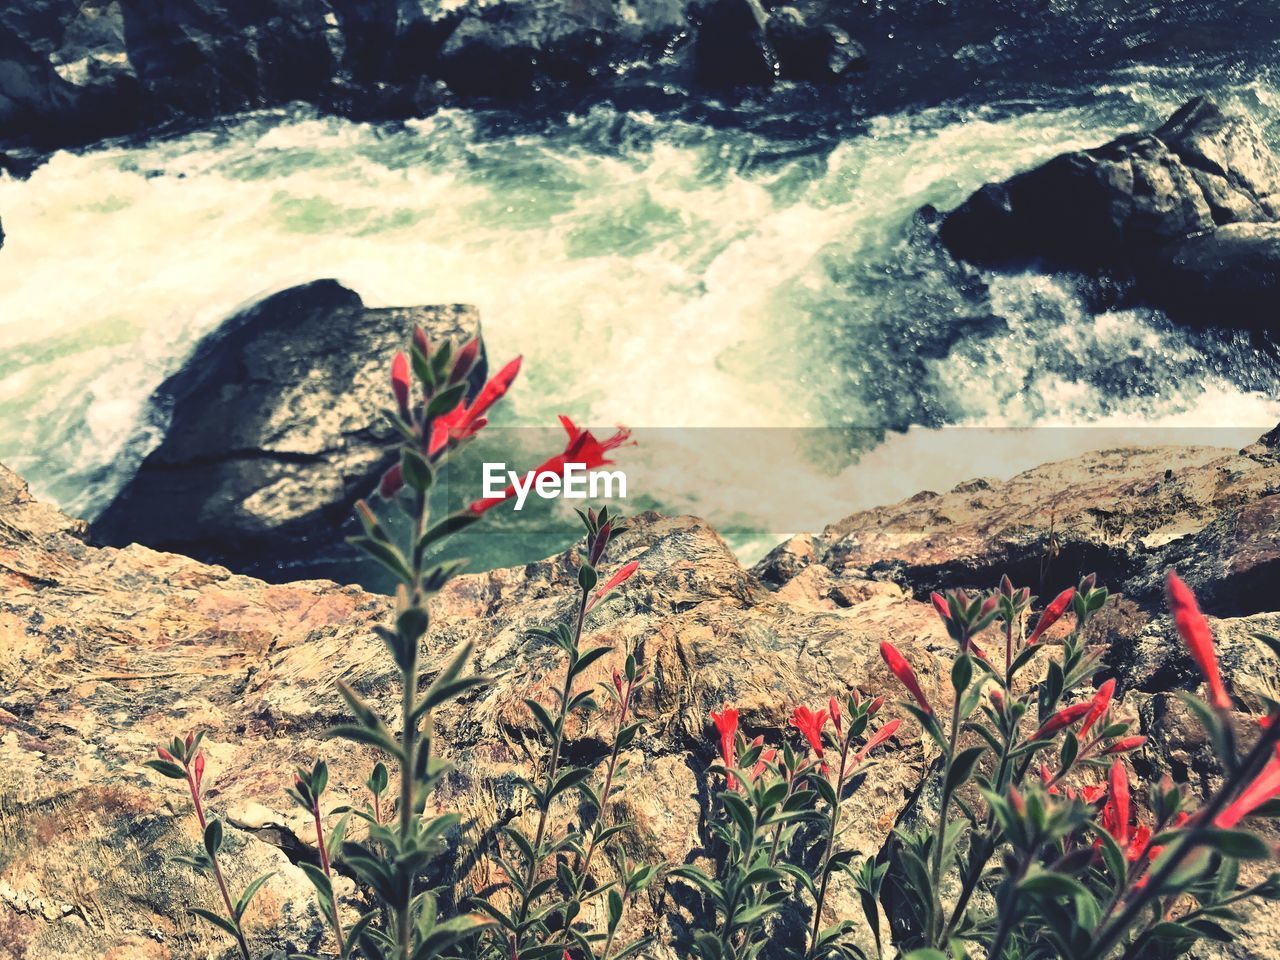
(1228, 277)
(815, 52)
(732, 48)
(272, 429)
(1185, 210)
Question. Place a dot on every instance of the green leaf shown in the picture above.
(449, 525)
(962, 767)
(925, 953)
(213, 837)
(590, 657)
(446, 399)
(386, 555)
(170, 770)
(221, 923)
(416, 470)
(1236, 843)
(243, 903)
(374, 738)
(542, 716)
(961, 674)
(569, 778)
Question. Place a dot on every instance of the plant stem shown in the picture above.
(1008, 914)
(608, 779)
(553, 764)
(826, 856)
(409, 733)
(935, 922)
(324, 865)
(217, 870)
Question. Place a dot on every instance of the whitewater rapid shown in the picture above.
(654, 272)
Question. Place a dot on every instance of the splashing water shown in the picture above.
(730, 279)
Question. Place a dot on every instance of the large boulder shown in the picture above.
(1184, 210)
(273, 428)
(811, 50)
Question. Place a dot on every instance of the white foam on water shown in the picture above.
(656, 276)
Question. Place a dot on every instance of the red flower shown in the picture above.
(1125, 745)
(1101, 700)
(1063, 718)
(879, 737)
(1051, 614)
(582, 448)
(1195, 633)
(810, 723)
(726, 722)
(1266, 786)
(1093, 793)
(466, 420)
(400, 382)
(619, 578)
(902, 670)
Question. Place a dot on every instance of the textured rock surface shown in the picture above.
(103, 651)
(1127, 514)
(1187, 210)
(272, 429)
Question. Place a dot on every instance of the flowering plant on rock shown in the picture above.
(1028, 837)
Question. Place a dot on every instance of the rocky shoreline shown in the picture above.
(105, 650)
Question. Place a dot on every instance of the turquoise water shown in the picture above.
(732, 278)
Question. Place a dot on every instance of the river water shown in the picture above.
(733, 274)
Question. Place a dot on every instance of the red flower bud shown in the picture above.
(833, 707)
(1052, 613)
(940, 604)
(191, 738)
(1116, 817)
(1266, 786)
(1063, 718)
(392, 483)
(1196, 635)
(198, 766)
(421, 342)
(906, 676)
(617, 681)
(400, 382)
(617, 580)
(1015, 798)
(465, 360)
(874, 706)
(1101, 700)
(1125, 745)
(164, 754)
(879, 737)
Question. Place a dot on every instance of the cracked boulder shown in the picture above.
(273, 428)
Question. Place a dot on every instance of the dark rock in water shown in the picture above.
(1229, 277)
(732, 48)
(1183, 209)
(273, 428)
(74, 71)
(818, 53)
